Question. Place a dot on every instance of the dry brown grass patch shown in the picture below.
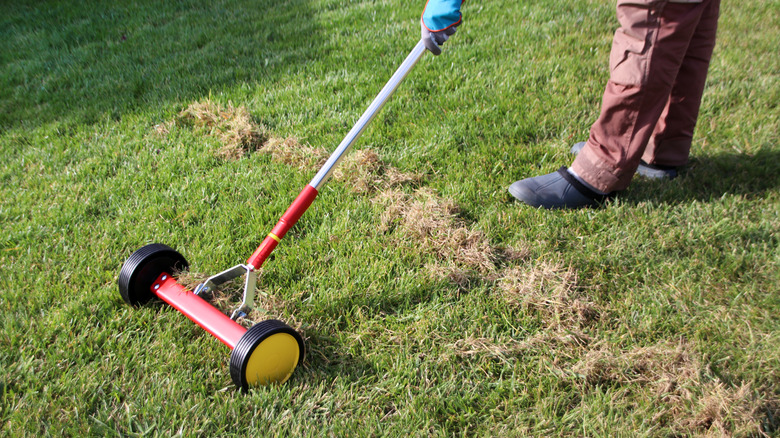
(724, 411)
(365, 172)
(565, 344)
(431, 225)
(474, 346)
(673, 375)
(393, 177)
(163, 129)
(232, 126)
(291, 152)
(239, 134)
(450, 272)
(361, 170)
(666, 366)
(550, 290)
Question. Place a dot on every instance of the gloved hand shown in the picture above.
(440, 19)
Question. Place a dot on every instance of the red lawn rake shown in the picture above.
(270, 350)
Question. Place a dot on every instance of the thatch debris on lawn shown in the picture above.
(232, 126)
(473, 346)
(365, 172)
(239, 134)
(361, 170)
(291, 152)
(667, 367)
(550, 290)
(163, 129)
(693, 400)
(433, 226)
(448, 270)
(477, 346)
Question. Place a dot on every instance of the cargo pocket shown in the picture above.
(631, 44)
(628, 60)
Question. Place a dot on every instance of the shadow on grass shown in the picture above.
(325, 360)
(81, 62)
(354, 358)
(711, 177)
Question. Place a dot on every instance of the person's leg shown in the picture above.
(647, 52)
(670, 143)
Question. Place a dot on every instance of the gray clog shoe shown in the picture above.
(556, 190)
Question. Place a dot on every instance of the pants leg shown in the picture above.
(647, 53)
(670, 143)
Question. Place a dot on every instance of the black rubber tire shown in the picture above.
(253, 337)
(143, 267)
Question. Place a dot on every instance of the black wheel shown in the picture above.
(267, 353)
(143, 267)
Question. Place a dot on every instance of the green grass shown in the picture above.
(681, 277)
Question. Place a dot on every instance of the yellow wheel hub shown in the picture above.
(273, 360)
(267, 353)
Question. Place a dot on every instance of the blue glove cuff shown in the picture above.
(441, 14)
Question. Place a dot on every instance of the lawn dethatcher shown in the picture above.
(269, 351)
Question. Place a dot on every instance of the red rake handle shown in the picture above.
(199, 311)
(289, 218)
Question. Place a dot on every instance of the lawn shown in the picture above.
(431, 303)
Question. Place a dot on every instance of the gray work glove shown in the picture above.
(440, 20)
(435, 39)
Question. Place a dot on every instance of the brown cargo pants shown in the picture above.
(658, 67)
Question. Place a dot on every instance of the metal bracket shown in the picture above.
(250, 283)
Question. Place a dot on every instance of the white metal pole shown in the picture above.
(327, 169)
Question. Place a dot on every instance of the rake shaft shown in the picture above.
(306, 197)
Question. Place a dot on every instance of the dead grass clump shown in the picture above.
(565, 344)
(666, 367)
(393, 177)
(451, 273)
(432, 225)
(361, 170)
(163, 129)
(514, 254)
(675, 378)
(723, 411)
(550, 290)
(291, 152)
(239, 135)
(365, 172)
(232, 126)
(473, 346)
(395, 203)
